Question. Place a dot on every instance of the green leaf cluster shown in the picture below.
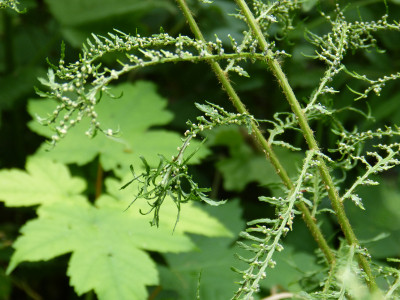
(310, 137)
(107, 242)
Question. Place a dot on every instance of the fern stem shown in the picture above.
(270, 154)
(310, 139)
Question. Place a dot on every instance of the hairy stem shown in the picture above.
(312, 143)
(270, 154)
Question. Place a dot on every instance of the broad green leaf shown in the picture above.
(138, 109)
(192, 218)
(77, 12)
(56, 231)
(381, 215)
(218, 20)
(292, 266)
(108, 244)
(16, 85)
(213, 260)
(43, 182)
(118, 273)
(245, 165)
(147, 237)
(245, 168)
(308, 5)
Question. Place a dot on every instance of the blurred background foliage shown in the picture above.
(235, 168)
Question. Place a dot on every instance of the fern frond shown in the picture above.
(268, 13)
(267, 234)
(382, 164)
(344, 36)
(78, 86)
(350, 144)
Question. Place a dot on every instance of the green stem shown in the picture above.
(312, 143)
(270, 154)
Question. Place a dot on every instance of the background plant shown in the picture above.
(324, 148)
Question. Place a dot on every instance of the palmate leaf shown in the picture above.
(137, 109)
(107, 244)
(43, 182)
(192, 219)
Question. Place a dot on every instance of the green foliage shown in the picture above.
(271, 231)
(209, 268)
(93, 232)
(44, 182)
(315, 139)
(74, 13)
(137, 109)
(5, 285)
(169, 178)
(67, 84)
(245, 164)
(106, 243)
(13, 4)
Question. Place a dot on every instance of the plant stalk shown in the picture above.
(334, 197)
(267, 149)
